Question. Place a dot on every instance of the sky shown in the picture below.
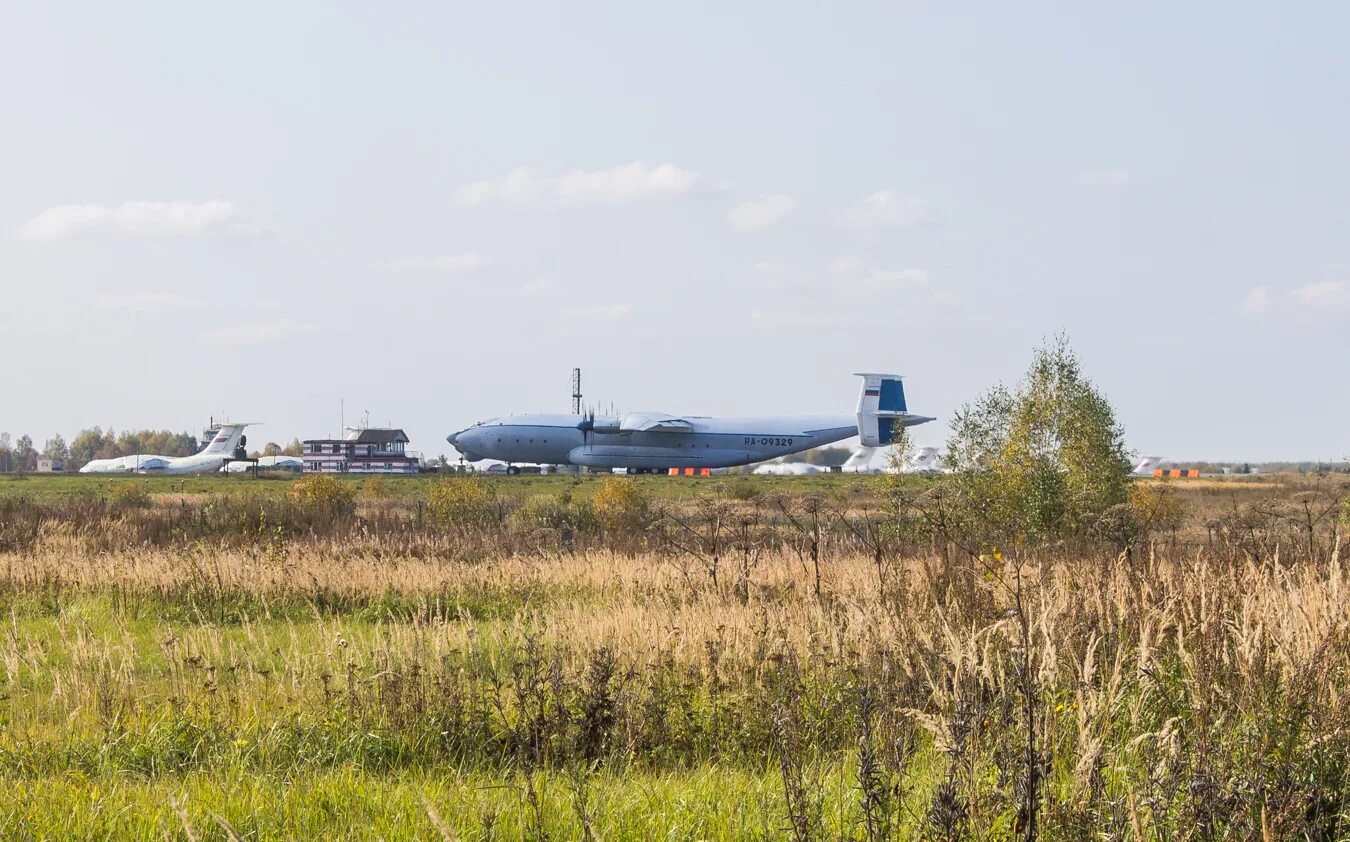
(300, 213)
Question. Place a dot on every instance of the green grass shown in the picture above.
(55, 487)
(333, 687)
(352, 803)
(114, 712)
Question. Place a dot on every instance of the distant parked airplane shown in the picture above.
(876, 460)
(268, 463)
(1145, 468)
(788, 469)
(228, 440)
(644, 442)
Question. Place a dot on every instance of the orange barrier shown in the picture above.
(691, 472)
(1177, 473)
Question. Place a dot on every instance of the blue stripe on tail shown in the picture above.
(885, 431)
(892, 396)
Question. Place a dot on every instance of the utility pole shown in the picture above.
(576, 391)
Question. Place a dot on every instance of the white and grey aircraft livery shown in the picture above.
(212, 457)
(654, 441)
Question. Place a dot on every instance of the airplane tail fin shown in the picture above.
(228, 437)
(882, 409)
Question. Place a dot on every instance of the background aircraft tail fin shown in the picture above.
(227, 438)
(1146, 467)
(882, 409)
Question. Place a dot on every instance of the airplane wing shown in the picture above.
(654, 422)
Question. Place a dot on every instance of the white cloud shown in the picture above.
(447, 264)
(129, 219)
(261, 333)
(1326, 293)
(842, 267)
(596, 313)
(1257, 301)
(885, 210)
(537, 287)
(852, 271)
(1310, 299)
(149, 302)
(635, 182)
(784, 319)
(767, 274)
(879, 279)
(1104, 178)
(761, 212)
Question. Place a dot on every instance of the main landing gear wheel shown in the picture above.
(512, 470)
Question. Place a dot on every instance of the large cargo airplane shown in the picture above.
(644, 442)
(228, 439)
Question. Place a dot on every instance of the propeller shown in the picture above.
(587, 426)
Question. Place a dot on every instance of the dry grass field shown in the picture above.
(604, 662)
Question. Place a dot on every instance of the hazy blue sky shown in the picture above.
(259, 209)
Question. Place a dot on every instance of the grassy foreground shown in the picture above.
(55, 487)
(486, 682)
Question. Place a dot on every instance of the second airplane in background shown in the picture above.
(226, 445)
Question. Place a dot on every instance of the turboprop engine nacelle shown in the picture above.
(601, 424)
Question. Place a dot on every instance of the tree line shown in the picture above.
(95, 443)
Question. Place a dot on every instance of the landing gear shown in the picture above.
(512, 470)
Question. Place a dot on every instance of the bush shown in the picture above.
(129, 495)
(464, 501)
(318, 492)
(374, 488)
(1042, 462)
(621, 507)
(1156, 507)
(742, 488)
(543, 511)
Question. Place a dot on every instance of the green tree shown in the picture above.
(292, 449)
(107, 449)
(6, 453)
(1041, 462)
(55, 448)
(130, 444)
(24, 453)
(85, 444)
(271, 449)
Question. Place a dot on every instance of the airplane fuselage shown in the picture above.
(597, 443)
(151, 464)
